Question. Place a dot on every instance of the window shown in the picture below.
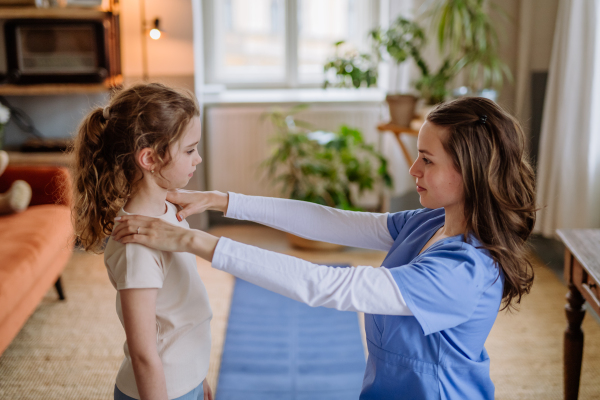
(280, 43)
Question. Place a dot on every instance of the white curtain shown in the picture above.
(568, 173)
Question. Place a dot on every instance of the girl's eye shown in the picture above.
(190, 151)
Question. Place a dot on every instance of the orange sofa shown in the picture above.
(35, 245)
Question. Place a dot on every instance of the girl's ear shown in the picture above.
(147, 159)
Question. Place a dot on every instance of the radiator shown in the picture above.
(237, 141)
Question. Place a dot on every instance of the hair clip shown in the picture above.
(483, 119)
(106, 113)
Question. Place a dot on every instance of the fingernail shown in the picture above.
(117, 218)
(178, 217)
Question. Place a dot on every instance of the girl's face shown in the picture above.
(184, 156)
(439, 184)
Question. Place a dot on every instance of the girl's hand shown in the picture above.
(161, 235)
(207, 392)
(196, 202)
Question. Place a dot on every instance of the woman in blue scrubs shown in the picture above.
(451, 266)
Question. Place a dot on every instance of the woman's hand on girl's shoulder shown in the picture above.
(193, 202)
(161, 235)
(152, 232)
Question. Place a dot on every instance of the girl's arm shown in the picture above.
(139, 316)
(313, 221)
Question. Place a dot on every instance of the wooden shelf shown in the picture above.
(55, 12)
(58, 88)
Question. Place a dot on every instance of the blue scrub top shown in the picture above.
(454, 291)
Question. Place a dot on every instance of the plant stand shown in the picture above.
(398, 130)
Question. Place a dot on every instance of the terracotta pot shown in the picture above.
(307, 244)
(402, 108)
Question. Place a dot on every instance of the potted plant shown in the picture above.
(350, 68)
(322, 167)
(465, 32)
(403, 39)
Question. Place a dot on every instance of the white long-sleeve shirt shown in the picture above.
(364, 288)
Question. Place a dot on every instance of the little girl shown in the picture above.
(129, 154)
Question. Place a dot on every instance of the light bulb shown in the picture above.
(155, 34)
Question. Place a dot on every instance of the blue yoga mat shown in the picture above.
(278, 348)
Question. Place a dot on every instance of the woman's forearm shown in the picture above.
(364, 289)
(150, 377)
(313, 221)
(201, 244)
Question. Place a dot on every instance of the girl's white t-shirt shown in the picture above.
(183, 311)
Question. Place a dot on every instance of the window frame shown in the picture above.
(291, 78)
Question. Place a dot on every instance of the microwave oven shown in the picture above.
(60, 50)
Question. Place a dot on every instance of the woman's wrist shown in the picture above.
(220, 201)
(201, 244)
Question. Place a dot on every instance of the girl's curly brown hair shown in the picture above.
(488, 148)
(142, 116)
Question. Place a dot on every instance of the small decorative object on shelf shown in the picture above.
(4, 117)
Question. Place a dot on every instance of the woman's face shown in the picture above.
(185, 157)
(439, 184)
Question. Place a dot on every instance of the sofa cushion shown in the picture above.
(29, 241)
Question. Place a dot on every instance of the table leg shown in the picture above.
(573, 343)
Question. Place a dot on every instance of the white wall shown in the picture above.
(172, 54)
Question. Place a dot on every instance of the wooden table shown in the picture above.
(582, 274)
(398, 130)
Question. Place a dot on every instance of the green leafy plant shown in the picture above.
(405, 39)
(350, 68)
(320, 167)
(434, 87)
(465, 32)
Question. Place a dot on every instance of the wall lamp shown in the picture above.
(155, 31)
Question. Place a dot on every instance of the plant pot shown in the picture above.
(402, 108)
(307, 244)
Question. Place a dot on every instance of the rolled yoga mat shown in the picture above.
(278, 348)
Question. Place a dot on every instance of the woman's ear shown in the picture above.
(147, 159)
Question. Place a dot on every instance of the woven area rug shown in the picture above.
(277, 348)
(72, 350)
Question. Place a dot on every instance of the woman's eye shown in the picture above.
(426, 161)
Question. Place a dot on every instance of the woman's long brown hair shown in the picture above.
(488, 148)
(142, 116)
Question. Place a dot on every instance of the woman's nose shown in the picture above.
(414, 169)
